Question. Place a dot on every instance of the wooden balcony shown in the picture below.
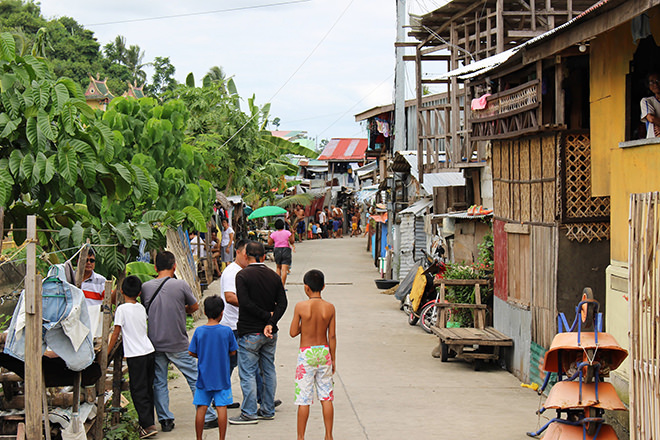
(508, 114)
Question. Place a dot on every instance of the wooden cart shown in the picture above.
(477, 344)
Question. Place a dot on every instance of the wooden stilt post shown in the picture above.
(117, 360)
(33, 318)
(80, 271)
(2, 226)
(103, 363)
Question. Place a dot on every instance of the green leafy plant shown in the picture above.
(484, 263)
(461, 294)
(144, 271)
(127, 428)
(4, 321)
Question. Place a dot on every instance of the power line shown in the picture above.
(354, 105)
(313, 117)
(192, 14)
(295, 71)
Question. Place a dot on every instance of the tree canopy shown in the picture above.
(138, 168)
(106, 176)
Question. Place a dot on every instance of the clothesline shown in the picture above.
(45, 254)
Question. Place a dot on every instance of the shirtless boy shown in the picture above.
(314, 321)
(354, 226)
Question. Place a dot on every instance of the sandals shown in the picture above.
(147, 432)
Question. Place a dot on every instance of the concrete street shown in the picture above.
(387, 384)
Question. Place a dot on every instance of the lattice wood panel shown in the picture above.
(588, 231)
(578, 202)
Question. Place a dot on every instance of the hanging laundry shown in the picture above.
(383, 127)
(480, 103)
(66, 323)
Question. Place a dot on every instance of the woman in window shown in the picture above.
(651, 106)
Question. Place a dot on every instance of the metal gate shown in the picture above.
(644, 290)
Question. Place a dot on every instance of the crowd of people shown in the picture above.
(324, 223)
(241, 331)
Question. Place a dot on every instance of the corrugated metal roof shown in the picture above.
(461, 214)
(486, 65)
(432, 180)
(417, 208)
(366, 169)
(289, 135)
(344, 149)
(442, 179)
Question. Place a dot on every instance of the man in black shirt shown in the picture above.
(262, 303)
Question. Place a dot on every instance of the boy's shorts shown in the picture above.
(221, 397)
(314, 370)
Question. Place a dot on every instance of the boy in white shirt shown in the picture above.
(131, 322)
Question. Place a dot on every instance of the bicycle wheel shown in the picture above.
(429, 316)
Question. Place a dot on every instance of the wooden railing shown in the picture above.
(507, 114)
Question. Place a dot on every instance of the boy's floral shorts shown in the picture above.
(314, 370)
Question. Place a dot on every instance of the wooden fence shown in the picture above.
(644, 290)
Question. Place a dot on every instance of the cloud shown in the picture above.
(263, 48)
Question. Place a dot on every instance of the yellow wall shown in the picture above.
(634, 170)
(610, 56)
(618, 172)
(608, 69)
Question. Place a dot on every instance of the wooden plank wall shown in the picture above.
(544, 251)
(525, 190)
(644, 288)
(520, 269)
(525, 180)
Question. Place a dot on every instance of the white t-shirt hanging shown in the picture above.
(132, 318)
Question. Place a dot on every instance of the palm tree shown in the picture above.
(116, 50)
(217, 77)
(216, 74)
(133, 60)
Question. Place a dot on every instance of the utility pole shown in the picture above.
(400, 79)
(399, 131)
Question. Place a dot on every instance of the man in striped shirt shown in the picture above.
(93, 286)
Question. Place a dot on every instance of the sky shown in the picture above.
(318, 62)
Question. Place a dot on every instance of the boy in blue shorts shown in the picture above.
(213, 344)
(314, 321)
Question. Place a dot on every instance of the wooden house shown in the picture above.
(343, 155)
(463, 32)
(568, 163)
(551, 230)
(459, 33)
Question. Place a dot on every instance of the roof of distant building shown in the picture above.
(344, 150)
(98, 89)
(290, 135)
(134, 91)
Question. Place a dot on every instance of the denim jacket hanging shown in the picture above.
(65, 324)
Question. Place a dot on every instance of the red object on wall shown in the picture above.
(501, 256)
